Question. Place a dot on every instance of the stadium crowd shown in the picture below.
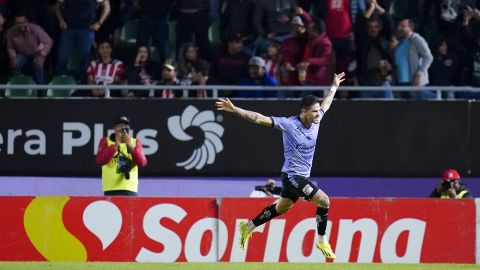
(243, 42)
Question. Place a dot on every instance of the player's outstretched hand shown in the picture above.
(224, 105)
(338, 78)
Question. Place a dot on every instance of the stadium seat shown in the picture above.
(20, 80)
(128, 34)
(61, 80)
(73, 65)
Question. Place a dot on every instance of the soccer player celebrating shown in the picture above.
(299, 140)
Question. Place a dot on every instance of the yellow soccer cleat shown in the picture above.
(326, 250)
(245, 235)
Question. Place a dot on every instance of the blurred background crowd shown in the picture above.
(242, 42)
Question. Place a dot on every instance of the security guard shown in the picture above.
(451, 187)
(120, 156)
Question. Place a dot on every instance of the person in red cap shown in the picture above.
(451, 187)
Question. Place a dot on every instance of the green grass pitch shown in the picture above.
(227, 266)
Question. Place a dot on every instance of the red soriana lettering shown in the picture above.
(200, 230)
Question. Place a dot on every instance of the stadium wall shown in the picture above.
(226, 186)
(59, 137)
(206, 230)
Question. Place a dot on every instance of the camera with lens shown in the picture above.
(124, 165)
(270, 188)
(447, 185)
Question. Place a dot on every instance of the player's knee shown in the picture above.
(324, 202)
(283, 209)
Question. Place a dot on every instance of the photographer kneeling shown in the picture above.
(120, 156)
(451, 187)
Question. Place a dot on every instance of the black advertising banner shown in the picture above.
(474, 138)
(189, 137)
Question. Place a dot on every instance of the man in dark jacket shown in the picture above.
(153, 23)
(373, 54)
(194, 19)
(78, 21)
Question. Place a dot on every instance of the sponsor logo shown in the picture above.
(307, 190)
(212, 145)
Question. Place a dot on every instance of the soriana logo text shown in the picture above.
(204, 229)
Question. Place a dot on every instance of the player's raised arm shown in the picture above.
(327, 101)
(254, 117)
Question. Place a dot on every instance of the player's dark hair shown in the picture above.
(308, 101)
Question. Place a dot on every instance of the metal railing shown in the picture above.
(215, 88)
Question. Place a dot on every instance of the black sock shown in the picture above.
(266, 215)
(322, 218)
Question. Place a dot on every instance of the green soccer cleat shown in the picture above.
(245, 235)
(326, 249)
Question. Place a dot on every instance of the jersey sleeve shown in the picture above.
(322, 114)
(281, 123)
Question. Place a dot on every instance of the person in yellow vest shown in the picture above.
(120, 156)
(450, 187)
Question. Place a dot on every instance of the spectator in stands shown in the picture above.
(120, 156)
(237, 18)
(272, 19)
(317, 58)
(187, 55)
(194, 20)
(169, 77)
(153, 23)
(143, 72)
(451, 187)
(231, 63)
(4, 62)
(269, 190)
(444, 70)
(28, 43)
(272, 60)
(471, 40)
(78, 21)
(257, 76)
(292, 51)
(446, 15)
(339, 17)
(373, 56)
(412, 59)
(201, 76)
(103, 71)
(374, 11)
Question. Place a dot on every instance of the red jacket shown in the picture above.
(106, 153)
(318, 54)
(292, 51)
